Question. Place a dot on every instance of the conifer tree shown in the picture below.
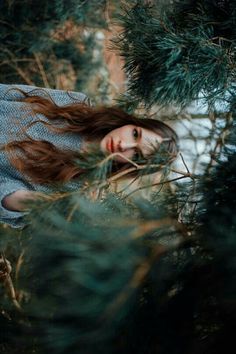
(177, 50)
(137, 276)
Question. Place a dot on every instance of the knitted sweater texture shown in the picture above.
(15, 115)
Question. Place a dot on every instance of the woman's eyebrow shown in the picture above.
(140, 133)
(140, 139)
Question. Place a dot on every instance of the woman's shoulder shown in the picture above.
(60, 97)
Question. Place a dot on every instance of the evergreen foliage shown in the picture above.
(175, 53)
(136, 283)
(120, 275)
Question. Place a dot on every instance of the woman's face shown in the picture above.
(131, 141)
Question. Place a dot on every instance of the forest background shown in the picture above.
(126, 273)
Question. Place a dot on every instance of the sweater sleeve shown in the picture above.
(60, 97)
(12, 218)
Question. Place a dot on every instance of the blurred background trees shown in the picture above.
(55, 44)
(124, 274)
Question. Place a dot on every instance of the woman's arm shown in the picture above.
(8, 186)
(16, 200)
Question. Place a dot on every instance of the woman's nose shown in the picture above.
(123, 146)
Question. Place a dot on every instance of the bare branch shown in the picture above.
(41, 69)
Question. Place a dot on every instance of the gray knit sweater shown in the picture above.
(13, 112)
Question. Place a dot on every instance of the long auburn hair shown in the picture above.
(44, 163)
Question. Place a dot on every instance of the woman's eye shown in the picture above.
(135, 134)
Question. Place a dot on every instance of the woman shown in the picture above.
(44, 132)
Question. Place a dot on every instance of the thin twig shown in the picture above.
(11, 290)
(41, 69)
(6, 62)
(183, 173)
(8, 24)
(71, 213)
(151, 225)
(130, 184)
(22, 74)
(156, 184)
(18, 264)
(13, 63)
(184, 163)
(117, 154)
(7, 281)
(132, 169)
(106, 13)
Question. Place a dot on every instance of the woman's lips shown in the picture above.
(110, 145)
